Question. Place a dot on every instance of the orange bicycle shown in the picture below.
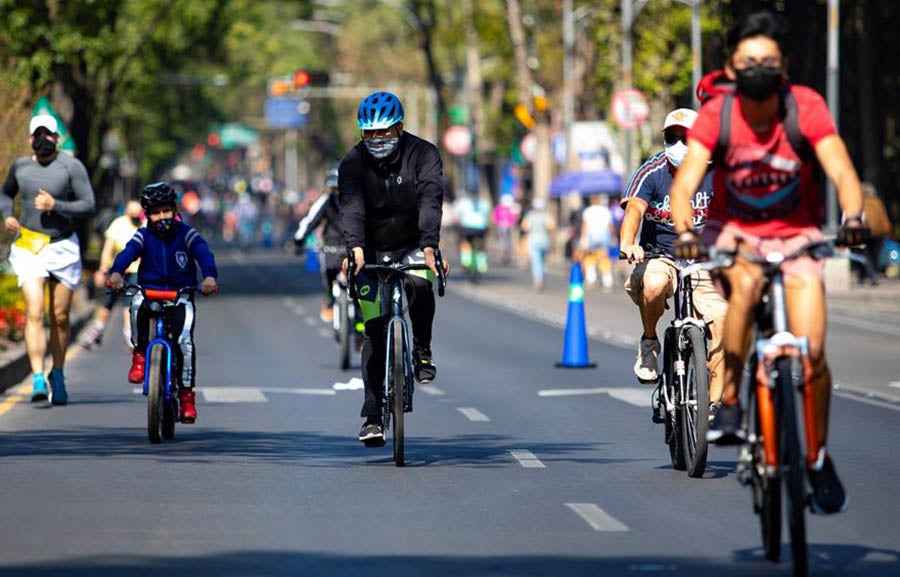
(778, 450)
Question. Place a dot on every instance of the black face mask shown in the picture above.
(43, 146)
(758, 82)
(162, 227)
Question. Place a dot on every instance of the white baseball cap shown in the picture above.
(680, 117)
(43, 121)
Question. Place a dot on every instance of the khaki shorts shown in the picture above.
(708, 303)
(715, 234)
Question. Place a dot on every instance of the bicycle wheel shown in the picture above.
(793, 465)
(398, 385)
(672, 418)
(695, 406)
(155, 397)
(766, 487)
(344, 330)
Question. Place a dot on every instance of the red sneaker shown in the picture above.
(188, 412)
(138, 362)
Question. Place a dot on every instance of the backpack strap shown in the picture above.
(724, 130)
(790, 119)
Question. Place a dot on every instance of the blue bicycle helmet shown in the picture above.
(379, 110)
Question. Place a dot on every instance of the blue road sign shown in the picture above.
(286, 112)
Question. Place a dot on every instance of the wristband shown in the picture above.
(858, 217)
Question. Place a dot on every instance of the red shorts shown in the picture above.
(715, 234)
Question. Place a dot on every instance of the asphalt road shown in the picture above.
(507, 474)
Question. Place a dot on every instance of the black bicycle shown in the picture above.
(777, 370)
(398, 376)
(347, 327)
(682, 390)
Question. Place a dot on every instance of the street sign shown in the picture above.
(458, 140)
(629, 108)
(286, 112)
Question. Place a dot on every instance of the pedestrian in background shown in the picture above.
(117, 235)
(54, 189)
(539, 225)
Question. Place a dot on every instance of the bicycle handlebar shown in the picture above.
(131, 289)
(397, 268)
(650, 252)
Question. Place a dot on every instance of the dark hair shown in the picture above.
(762, 23)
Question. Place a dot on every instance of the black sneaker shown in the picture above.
(828, 495)
(725, 428)
(372, 434)
(423, 365)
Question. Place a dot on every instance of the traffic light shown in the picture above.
(303, 78)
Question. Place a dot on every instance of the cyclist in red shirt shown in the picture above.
(769, 199)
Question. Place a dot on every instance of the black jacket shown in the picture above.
(394, 203)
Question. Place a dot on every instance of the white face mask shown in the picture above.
(676, 152)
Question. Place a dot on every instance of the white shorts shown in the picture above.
(62, 259)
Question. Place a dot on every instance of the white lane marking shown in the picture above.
(652, 567)
(299, 310)
(473, 414)
(869, 400)
(527, 459)
(137, 391)
(288, 301)
(637, 396)
(326, 333)
(310, 322)
(233, 395)
(431, 390)
(895, 384)
(597, 518)
(301, 391)
(354, 384)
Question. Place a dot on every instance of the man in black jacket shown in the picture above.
(391, 192)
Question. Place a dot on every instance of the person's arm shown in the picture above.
(687, 180)
(84, 195)
(628, 245)
(312, 218)
(835, 161)
(430, 193)
(10, 190)
(199, 251)
(107, 254)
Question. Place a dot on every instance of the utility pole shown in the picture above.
(833, 96)
(627, 20)
(568, 79)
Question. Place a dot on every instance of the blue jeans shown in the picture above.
(538, 253)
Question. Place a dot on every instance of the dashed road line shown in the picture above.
(473, 414)
(233, 395)
(17, 395)
(431, 390)
(527, 459)
(597, 518)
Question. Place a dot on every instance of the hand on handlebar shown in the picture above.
(689, 246)
(115, 281)
(854, 233)
(431, 261)
(209, 286)
(633, 253)
(358, 258)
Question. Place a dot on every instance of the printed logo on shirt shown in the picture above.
(660, 211)
(181, 258)
(761, 185)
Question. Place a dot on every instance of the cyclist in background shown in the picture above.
(170, 252)
(325, 211)
(391, 190)
(654, 281)
(769, 201)
(474, 213)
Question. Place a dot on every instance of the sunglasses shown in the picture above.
(671, 139)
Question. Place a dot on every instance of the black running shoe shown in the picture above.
(372, 434)
(828, 494)
(725, 428)
(423, 365)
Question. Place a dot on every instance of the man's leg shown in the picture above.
(60, 307)
(35, 337)
(420, 294)
(711, 307)
(183, 320)
(650, 284)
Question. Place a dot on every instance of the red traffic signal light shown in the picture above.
(301, 78)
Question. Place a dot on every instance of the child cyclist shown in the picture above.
(170, 251)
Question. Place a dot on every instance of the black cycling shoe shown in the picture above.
(828, 495)
(725, 428)
(372, 434)
(423, 365)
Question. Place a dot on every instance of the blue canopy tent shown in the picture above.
(586, 183)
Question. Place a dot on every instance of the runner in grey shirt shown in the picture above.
(54, 188)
